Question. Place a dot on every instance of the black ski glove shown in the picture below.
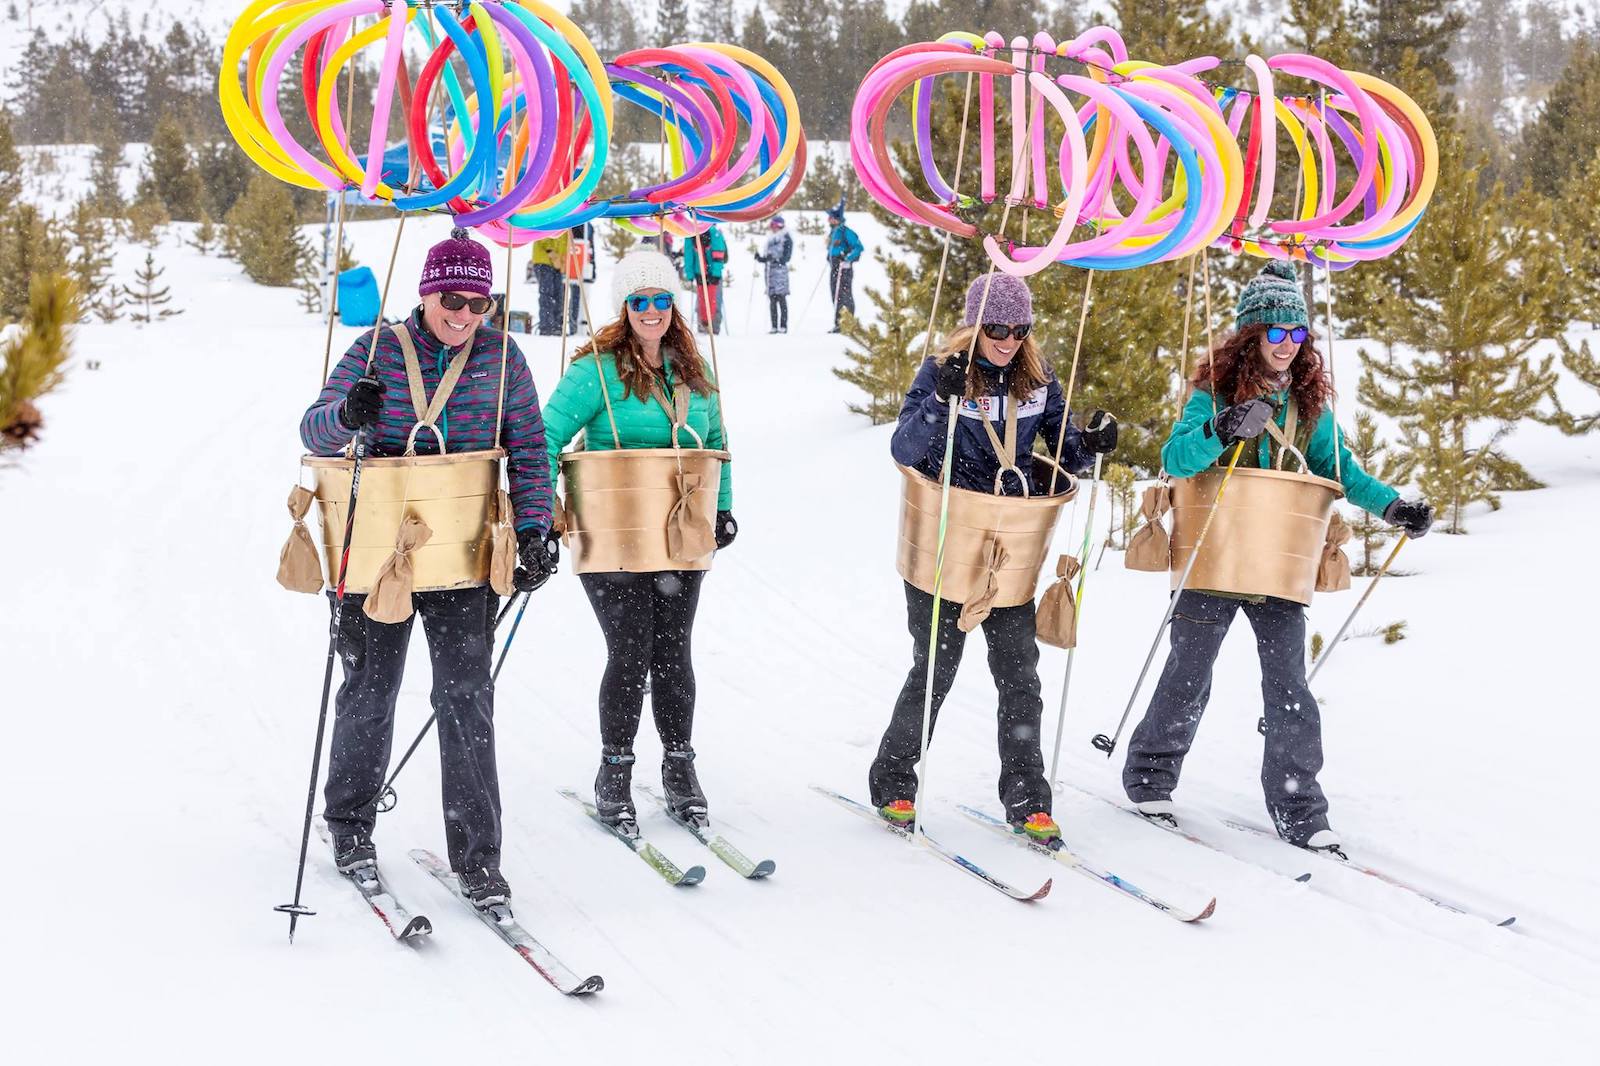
(1242, 421)
(952, 379)
(726, 529)
(1413, 516)
(1100, 435)
(538, 553)
(362, 404)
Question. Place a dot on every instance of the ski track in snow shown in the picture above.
(162, 695)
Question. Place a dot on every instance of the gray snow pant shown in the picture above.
(1293, 752)
(459, 626)
(1013, 661)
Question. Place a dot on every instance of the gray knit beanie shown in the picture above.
(1009, 303)
(1272, 298)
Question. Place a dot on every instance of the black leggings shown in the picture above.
(647, 620)
(778, 307)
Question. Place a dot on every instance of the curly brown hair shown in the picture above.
(622, 342)
(1029, 364)
(1240, 373)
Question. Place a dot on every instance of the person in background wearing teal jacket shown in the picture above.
(844, 248)
(644, 358)
(1267, 369)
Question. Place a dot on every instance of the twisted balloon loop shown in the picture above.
(509, 115)
(1151, 161)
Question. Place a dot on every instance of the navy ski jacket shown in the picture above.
(918, 440)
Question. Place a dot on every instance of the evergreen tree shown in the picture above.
(146, 219)
(1327, 29)
(1567, 131)
(31, 361)
(147, 303)
(170, 175)
(207, 235)
(1479, 287)
(1167, 31)
(1426, 27)
(1370, 532)
(756, 35)
(612, 25)
(10, 163)
(716, 20)
(225, 172)
(885, 356)
(30, 247)
(1583, 365)
(103, 170)
(1578, 224)
(90, 265)
(261, 233)
(672, 22)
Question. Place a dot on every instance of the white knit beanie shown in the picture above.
(644, 269)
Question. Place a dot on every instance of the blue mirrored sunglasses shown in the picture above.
(1298, 334)
(660, 301)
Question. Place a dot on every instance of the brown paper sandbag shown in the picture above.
(1057, 620)
(690, 523)
(1333, 570)
(978, 606)
(503, 548)
(390, 598)
(1150, 548)
(299, 567)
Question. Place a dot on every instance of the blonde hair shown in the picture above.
(1028, 362)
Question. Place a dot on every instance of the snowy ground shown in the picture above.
(161, 694)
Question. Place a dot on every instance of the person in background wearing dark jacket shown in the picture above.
(780, 248)
(709, 249)
(1008, 372)
(1269, 367)
(844, 248)
(448, 327)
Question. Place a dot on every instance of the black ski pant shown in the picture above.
(458, 624)
(1014, 664)
(647, 620)
(1293, 751)
(550, 289)
(778, 308)
(841, 280)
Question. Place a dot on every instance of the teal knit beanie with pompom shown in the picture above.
(1271, 298)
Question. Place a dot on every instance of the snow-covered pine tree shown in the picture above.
(90, 265)
(885, 356)
(148, 303)
(104, 170)
(1426, 28)
(207, 235)
(146, 219)
(169, 174)
(1578, 223)
(260, 232)
(313, 274)
(31, 360)
(672, 21)
(30, 246)
(1477, 285)
(1564, 136)
(10, 163)
(1583, 365)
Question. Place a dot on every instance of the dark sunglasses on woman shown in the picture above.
(660, 301)
(454, 301)
(996, 332)
(1298, 334)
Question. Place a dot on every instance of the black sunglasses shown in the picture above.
(1298, 334)
(996, 332)
(454, 301)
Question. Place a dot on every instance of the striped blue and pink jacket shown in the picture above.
(468, 419)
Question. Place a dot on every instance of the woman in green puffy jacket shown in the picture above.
(1268, 372)
(645, 359)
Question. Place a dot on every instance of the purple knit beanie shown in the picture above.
(457, 264)
(1009, 304)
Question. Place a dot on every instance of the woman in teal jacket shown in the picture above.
(1269, 370)
(646, 357)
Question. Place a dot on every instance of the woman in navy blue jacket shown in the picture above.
(1008, 371)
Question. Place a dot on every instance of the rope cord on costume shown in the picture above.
(1327, 291)
(944, 259)
(1211, 349)
(338, 243)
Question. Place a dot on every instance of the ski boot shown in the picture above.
(485, 889)
(899, 813)
(1039, 827)
(354, 856)
(1326, 841)
(1160, 811)
(685, 800)
(613, 790)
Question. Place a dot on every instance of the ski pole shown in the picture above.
(296, 910)
(1107, 744)
(1083, 575)
(387, 798)
(814, 287)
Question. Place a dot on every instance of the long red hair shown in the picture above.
(1240, 373)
